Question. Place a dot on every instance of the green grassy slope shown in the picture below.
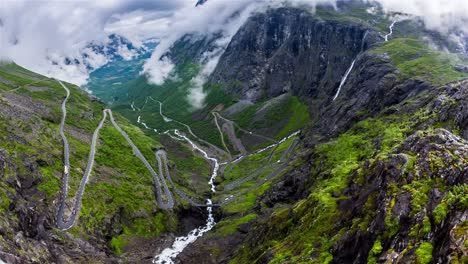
(415, 59)
(120, 190)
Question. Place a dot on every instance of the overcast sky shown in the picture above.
(33, 30)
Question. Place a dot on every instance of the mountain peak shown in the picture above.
(200, 2)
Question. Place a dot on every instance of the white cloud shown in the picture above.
(39, 35)
(125, 53)
(441, 15)
(157, 75)
(33, 32)
(226, 17)
(95, 60)
(196, 96)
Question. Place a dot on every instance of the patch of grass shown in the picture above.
(299, 117)
(244, 168)
(424, 253)
(419, 191)
(279, 116)
(375, 252)
(120, 190)
(416, 60)
(4, 200)
(139, 227)
(118, 243)
(228, 226)
(457, 195)
(245, 118)
(247, 201)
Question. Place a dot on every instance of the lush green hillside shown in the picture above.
(119, 207)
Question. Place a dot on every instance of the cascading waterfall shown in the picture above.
(348, 71)
(168, 254)
(180, 243)
(343, 80)
(391, 31)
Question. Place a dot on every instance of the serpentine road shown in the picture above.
(216, 114)
(162, 189)
(167, 120)
(164, 196)
(66, 224)
(61, 222)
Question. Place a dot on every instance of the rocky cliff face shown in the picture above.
(288, 50)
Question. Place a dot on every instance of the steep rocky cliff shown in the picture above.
(403, 201)
(289, 50)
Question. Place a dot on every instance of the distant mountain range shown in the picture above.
(117, 47)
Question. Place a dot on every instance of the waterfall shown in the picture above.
(170, 253)
(348, 71)
(343, 80)
(391, 31)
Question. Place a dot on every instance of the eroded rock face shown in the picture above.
(452, 106)
(28, 226)
(272, 54)
(2, 162)
(425, 149)
(443, 148)
(373, 85)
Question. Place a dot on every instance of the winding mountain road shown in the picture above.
(163, 195)
(242, 129)
(170, 201)
(161, 157)
(66, 224)
(189, 129)
(61, 222)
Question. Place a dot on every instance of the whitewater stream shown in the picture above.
(391, 31)
(180, 243)
(169, 254)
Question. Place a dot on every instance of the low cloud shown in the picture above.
(226, 17)
(441, 15)
(41, 34)
(197, 95)
(223, 18)
(157, 75)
